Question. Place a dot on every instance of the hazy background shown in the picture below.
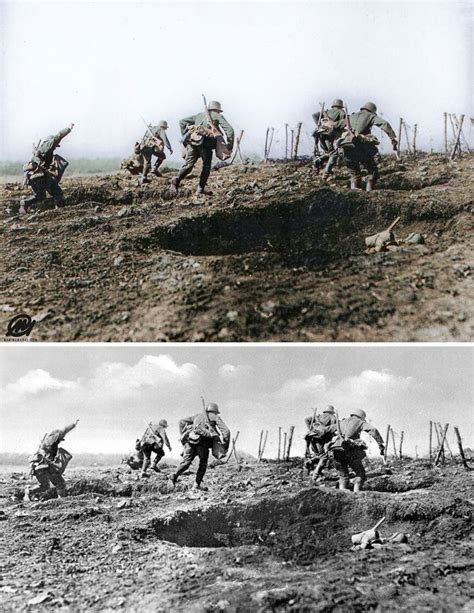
(104, 64)
(113, 390)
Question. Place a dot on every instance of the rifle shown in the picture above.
(321, 115)
(158, 439)
(348, 122)
(222, 149)
(212, 428)
(157, 139)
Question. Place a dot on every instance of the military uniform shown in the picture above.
(152, 442)
(348, 450)
(47, 464)
(320, 432)
(198, 437)
(200, 143)
(326, 136)
(149, 147)
(362, 147)
(44, 172)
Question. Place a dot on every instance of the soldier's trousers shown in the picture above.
(146, 154)
(144, 454)
(48, 477)
(43, 185)
(192, 156)
(201, 450)
(357, 156)
(352, 458)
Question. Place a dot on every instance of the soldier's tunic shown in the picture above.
(199, 441)
(359, 151)
(321, 137)
(43, 465)
(149, 444)
(348, 451)
(203, 151)
(318, 437)
(42, 174)
(149, 148)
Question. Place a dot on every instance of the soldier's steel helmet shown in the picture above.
(330, 409)
(212, 408)
(359, 413)
(163, 124)
(214, 105)
(338, 102)
(369, 106)
(163, 423)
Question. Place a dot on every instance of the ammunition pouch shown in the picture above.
(196, 134)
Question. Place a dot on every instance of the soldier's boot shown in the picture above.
(355, 182)
(343, 483)
(202, 191)
(155, 467)
(25, 207)
(318, 470)
(357, 486)
(144, 179)
(61, 492)
(370, 183)
(199, 486)
(156, 169)
(58, 203)
(26, 497)
(174, 188)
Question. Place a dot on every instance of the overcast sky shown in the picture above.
(103, 65)
(113, 390)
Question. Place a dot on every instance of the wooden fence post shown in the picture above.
(290, 440)
(431, 440)
(461, 450)
(394, 446)
(387, 440)
(401, 444)
(297, 141)
(446, 135)
(456, 142)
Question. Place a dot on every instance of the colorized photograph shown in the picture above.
(236, 171)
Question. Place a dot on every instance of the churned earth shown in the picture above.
(275, 255)
(263, 538)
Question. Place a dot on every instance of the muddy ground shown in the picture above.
(262, 539)
(275, 255)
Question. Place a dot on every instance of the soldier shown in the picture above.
(326, 134)
(348, 450)
(44, 172)
(153, 440)
(152, 144)
(360, 145)
(200, 142)
(49, 463)
(320, 433)
(198, 434)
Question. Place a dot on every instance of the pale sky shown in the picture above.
(114, 390)
(102, 65)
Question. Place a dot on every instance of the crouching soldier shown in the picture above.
(329, 129)
(200, 434)
(320, 433)
(49, 463)
(200, 140)
(152, 144)
(348, 450)
(152, 441)
(44, 172)
(360, 145)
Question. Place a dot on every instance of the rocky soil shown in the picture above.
(275, 255)
(261, 539)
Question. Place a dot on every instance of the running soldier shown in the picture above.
(152, 441)
(348, 450)
(49, 463)
(320, 433)
(328, 131)
(360, 145)
(44, 172)
(199, 434)
(200, 142)
(152, 144)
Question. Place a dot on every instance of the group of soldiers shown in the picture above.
(203, 135)
(328, 439)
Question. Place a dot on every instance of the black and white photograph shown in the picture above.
(243, 478)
